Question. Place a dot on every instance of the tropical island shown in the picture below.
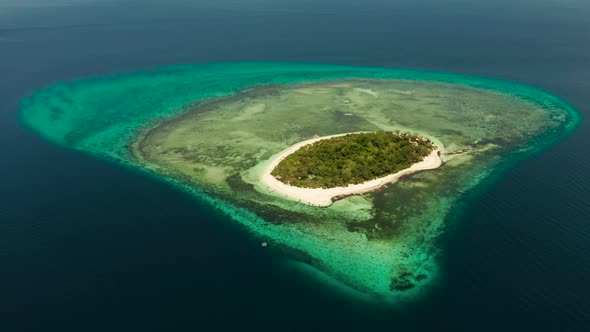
(213, 130)
(351, 159)
(324, 169)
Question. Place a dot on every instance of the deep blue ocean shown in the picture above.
(89, 246)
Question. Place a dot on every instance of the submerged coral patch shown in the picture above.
(212, 129)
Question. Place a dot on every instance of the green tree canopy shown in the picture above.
(352, 159)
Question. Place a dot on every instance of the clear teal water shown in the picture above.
(99, 115)
(102, 116)
(87, 245)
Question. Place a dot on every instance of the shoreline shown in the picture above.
(325, 197)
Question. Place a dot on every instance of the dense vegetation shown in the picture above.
(351, 159)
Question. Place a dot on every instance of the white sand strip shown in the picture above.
(324, 197)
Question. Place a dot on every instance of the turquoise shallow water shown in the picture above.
(101, 116)
(88, 245)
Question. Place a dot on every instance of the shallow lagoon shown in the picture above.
(208, 129)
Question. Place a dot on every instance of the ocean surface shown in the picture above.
(89, 246)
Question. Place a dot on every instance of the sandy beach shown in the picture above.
(325, 197)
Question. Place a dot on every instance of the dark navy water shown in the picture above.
(88, 246)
